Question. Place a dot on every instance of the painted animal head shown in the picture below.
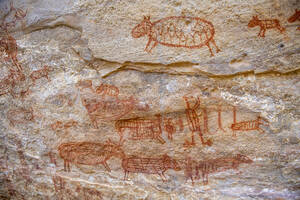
(48, 68)
(115, 148)
(243, 159)
(90, 104)
(108, 90)
(142, 29)
(253, 22)
(294, 17)
(84, 84)
(170, 163)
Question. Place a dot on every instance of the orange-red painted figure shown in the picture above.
(158, 166)
(177, 31)
(295, 17)
(265, 24)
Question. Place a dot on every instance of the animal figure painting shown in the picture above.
(89, 153)
(158, 166)
(295, 17)
(203, 168)
(177, 31)
(265, 25)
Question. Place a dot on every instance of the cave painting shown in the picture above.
(38, 74)
(249, 125)
(139, 129)
(89, 153)
(20, 116)
(135, 164)
(295, 17)
(104, 102)
(265, 25)
(8, 43)
(177, 31)
(89, 193)
(193, 169)
(60, 126)
(194, 120)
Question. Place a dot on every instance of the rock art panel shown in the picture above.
(177, 31)
(77, 75)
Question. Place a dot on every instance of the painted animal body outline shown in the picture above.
(158, 32)
(96, 108)
(140, 128)
(20, 115)
(89, 153)
(265, 24)
(249, 125)
(41, 73)
(295, 17)
(207, 167)
(158, 166)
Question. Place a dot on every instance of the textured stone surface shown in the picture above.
(82, 102)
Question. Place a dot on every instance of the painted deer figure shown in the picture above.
(265, 24)
(295, 17)
(177, 31)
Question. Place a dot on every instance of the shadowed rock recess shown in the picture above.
(177, 99)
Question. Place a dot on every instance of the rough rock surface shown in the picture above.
(179, 99)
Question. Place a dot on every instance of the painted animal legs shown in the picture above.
(151, 47)
(214, 43)
(106, 166)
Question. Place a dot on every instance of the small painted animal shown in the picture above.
(59, 126)
(249, 125)
(11, 49)
(141, 128)
(20, 116)
(110, 90)
(107, 109)
(158, 166)
(41, 73)
(89, 153)
(177, 31)
(265, 24)
(214, 165)
(295, 17)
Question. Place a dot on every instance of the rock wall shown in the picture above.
(179, 99)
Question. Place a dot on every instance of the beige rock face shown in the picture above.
(149, 99)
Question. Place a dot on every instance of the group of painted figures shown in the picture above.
(100, 101)
(104, 103)
(194, 32)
